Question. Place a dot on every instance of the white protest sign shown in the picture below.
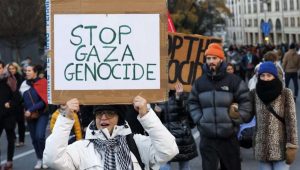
(105, 51)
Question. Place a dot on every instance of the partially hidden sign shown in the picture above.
(186, 53)
(106, 53)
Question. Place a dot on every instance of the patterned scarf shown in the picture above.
(114, 147)
(12, 82)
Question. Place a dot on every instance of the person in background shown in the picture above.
(34, 93)
(230, 68)
(248, 63)
(291, 65)
(7, 117)
(209, 103)
(75, 130)
(40, 71)
(27, 61)
(15, 75)
(175, 117)
(108, 140)
(276, 142)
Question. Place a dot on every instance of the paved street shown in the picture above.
(25, 157)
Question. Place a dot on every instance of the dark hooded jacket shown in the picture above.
(177, 120)
(6, 95)
(210, 99)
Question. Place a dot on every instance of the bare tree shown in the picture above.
(197, 17)
(20, 20)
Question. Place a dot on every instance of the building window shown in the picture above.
(286, 22)
(246, 23)
(291, 4)
(249, 7)
(298, 7)
(255, 23)
(278, 25)
(293, 37)
(269, 6)
(285, 5)
(292, 22)
(250, 23)
(287, 38)
(277, 6)
(254, 7)
(261, 6)
(298, 21)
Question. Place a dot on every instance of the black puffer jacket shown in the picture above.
(210, 99)
(175, 118)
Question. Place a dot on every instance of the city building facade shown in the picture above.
(244, 26)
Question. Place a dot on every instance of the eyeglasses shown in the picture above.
(108, 114)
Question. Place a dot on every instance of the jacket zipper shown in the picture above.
(214, 104)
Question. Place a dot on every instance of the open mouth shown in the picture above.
(104, 125)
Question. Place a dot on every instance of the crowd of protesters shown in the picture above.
(23, 95)
(244, 59)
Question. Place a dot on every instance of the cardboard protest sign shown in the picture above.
(103, 52)
(186, 53)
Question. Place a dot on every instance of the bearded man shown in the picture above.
(212, 106)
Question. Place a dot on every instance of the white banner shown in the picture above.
(106, 51)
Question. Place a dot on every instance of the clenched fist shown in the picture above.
(233, 111)
(140, 105)
(70, 107)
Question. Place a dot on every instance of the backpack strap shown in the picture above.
(134, 149)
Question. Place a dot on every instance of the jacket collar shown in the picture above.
(104, 133)
(221, 71)
(24, 87)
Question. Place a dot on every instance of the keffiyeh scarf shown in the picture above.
(114, 149)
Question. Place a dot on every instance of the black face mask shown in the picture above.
(268, 91)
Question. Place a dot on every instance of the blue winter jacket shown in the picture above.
(32, 101)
